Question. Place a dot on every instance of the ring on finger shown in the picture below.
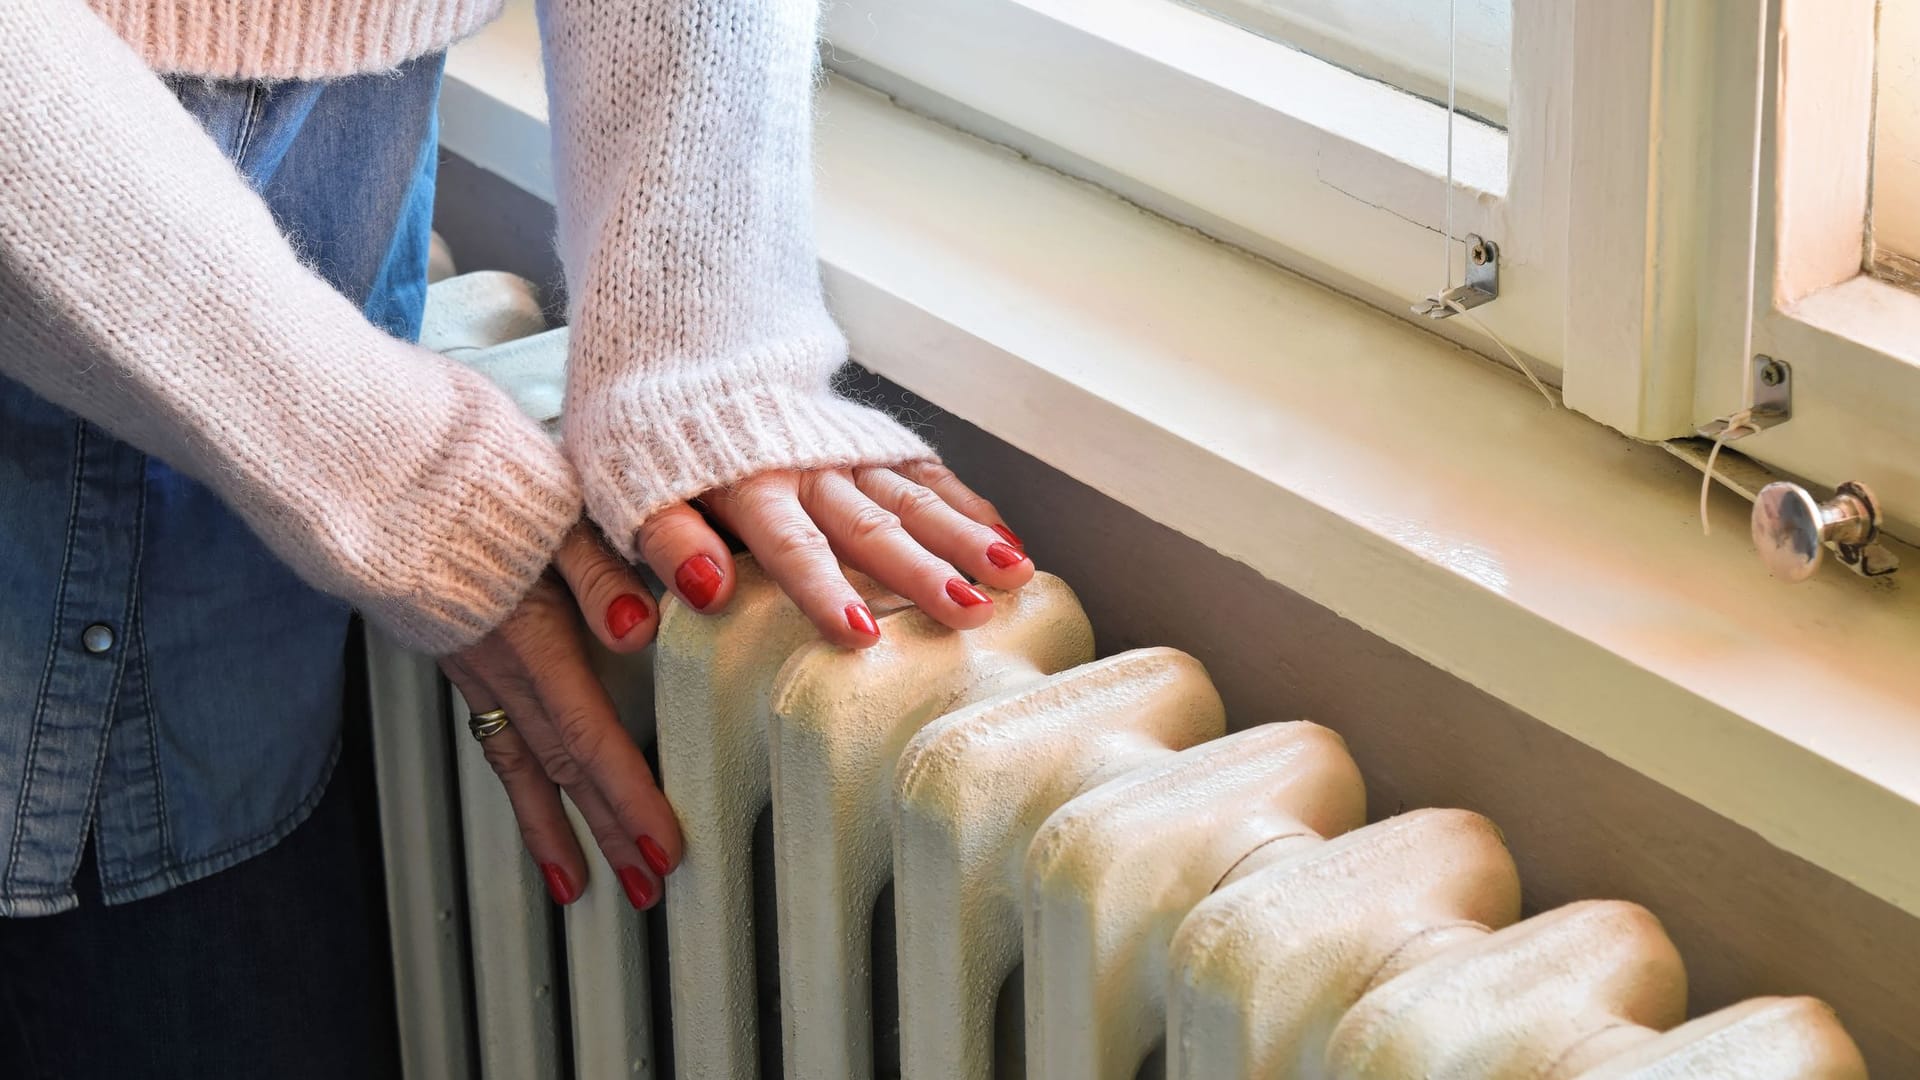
(491, 722)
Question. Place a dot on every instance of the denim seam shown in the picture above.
(249, 122)
(53, 657)
(181, 873)
(30, 905)
(160, 806)
(91, 817)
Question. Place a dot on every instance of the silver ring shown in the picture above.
(491, 722)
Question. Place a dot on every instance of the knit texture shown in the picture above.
(702, 350)
(289, 39)
(144, 287)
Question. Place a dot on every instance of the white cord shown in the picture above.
(1741, 419)
(1446, 235)
(1545, 392)
(1446, 193)
(1741, 422)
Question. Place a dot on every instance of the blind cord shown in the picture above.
(1446, 234)
(1741, 422)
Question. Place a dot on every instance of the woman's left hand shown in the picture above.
(914, 528)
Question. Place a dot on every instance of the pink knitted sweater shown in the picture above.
(144, 287)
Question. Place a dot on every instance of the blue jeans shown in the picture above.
(171, 696)
(167, 687)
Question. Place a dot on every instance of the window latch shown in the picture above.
(1792, 529)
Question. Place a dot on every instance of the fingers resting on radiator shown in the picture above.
(564, 733)
(915, 529)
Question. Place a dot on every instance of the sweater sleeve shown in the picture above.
(703, 352)
(145, 287)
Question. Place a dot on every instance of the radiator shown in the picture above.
(993, 854)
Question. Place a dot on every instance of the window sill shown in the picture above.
(1405, 484)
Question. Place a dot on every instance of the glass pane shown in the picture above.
(1895, 219)
(1400, 42)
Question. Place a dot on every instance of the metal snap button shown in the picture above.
(97, 638)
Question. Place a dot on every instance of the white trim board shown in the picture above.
(1403, 483)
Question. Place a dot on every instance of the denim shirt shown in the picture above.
(166, 686)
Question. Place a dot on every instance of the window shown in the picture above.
(1674, 187)
(1820, 189)
(1326, 170)
(1403, 43)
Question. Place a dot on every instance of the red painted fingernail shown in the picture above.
(698, 580)
(1005, 555)
(966, 595)
(557, 884)
(626, 612)
(641, 891)
(655, 855)
(861, 619)
(1007, 535)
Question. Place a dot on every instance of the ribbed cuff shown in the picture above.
(314, 39)
(475, 540)
(666, 444)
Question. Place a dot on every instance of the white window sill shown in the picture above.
(1407, 485)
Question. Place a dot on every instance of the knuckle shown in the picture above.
(609, 835)
(622, 803)
(582, 732)
(918, 501)
(871, 522)
(931, 473)
(559, 767)
(532, 837)
(794, 541)
(669, 534)
(600, 578)
(759, 495)
(509, 761)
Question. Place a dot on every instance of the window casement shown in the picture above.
(1659, 193)
(1321, 169)
(1816, 303)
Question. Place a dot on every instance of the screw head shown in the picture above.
(1479, 253)
(1772, 373)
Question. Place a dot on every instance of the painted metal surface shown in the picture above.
(420, 843)
(1111, 874)
(841, 719)
(713, 694)
(510, 924)
(1265, 967)
(1550, 996)
(1767, 1038)
(971, 790)
(608, 952)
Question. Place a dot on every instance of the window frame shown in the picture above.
(1815, 302)
(1323, 171)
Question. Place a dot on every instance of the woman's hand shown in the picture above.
(915, 529)
(563, 733)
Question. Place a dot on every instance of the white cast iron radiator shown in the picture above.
(1084, 872)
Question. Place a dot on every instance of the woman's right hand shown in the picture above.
(563, 733)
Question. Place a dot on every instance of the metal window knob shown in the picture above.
(1792, 529)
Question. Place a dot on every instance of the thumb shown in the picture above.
(612, 598)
